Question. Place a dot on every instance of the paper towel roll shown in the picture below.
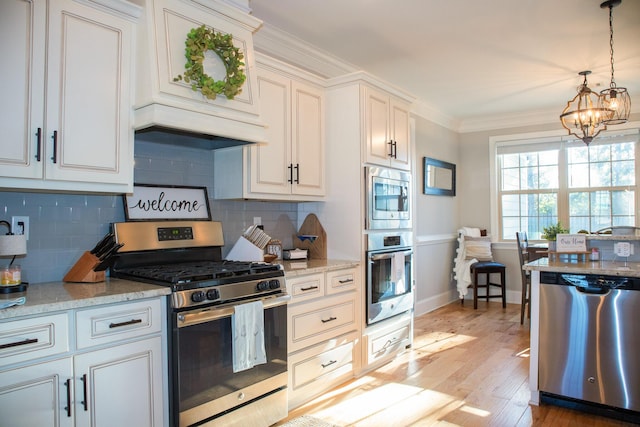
(13, 244)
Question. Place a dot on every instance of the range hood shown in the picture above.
(170, 112)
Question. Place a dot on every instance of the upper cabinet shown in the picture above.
(290, 166)
(166, 102)
(386, 137)
(66, 105)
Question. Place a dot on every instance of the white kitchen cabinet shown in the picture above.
(324, 324)
(290, 166)
(114, 376)
(384, 340)
(386, 136)
(66, 106)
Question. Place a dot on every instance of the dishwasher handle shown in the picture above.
(594, 290)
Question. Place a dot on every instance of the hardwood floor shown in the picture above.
(466, 368)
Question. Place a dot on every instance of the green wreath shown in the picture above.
(201, 39)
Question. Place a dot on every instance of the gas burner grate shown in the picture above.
(199, 271)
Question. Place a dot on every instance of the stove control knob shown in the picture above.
(198, 296)
(274, 284)
(213, 294)
(263, 285)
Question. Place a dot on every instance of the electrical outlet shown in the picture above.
(20, 225)
(257, 220)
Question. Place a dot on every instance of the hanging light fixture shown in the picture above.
(583, 116)
(616, 99)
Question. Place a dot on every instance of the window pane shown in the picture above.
(579, 204)
(622, 203)
(623, 173)
(600, 174)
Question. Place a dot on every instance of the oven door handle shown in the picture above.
(210, 314)
(387, 255)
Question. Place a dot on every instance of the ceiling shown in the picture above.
(470, 60)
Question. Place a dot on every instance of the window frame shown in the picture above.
(551, 137)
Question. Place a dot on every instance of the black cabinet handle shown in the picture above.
(38, 144)
(55, 146)
(85, 400)
(67, 408)
(297, 168)
(331, 362)
(345, 281)
(330, 319)
(19, 343)
(309, 288)
(290, 180)
(127, 323)
(395, 149)
(390, 148)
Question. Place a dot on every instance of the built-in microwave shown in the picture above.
(388, 193)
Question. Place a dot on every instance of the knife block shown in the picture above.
(82, 271)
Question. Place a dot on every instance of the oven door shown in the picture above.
(389, 283)
(204, 384)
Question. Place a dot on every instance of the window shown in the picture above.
(547, 180)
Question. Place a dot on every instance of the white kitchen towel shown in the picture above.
(397, 275)
(247, 329)
(12, 302)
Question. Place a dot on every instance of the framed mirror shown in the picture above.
(439, 177)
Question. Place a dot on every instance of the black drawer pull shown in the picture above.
(342, 282)
(67, 408)
(55, 146)
(39, 144)
(85, 401)
(330, 319)
(309, 288)
(127, 323)
(19, 343)
(331, 362)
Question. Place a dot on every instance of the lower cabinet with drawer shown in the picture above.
(114, 376)
(384, 341)
(324, 319)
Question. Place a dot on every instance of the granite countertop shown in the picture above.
(58, 296)
(309, 266)
(610, 268)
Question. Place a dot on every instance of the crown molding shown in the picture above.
(285, 47)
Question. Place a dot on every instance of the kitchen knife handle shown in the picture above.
(297, 168)
(38, 144)
(290, 167)
(54, 157)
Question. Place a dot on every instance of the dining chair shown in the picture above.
(523, 255)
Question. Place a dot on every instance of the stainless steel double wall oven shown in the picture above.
(203, 389)
(389, 255)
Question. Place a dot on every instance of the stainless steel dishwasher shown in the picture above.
(589, 341)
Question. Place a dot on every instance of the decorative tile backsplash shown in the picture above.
(63, 226)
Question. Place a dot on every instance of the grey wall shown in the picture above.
(436, 219)
(63, 226)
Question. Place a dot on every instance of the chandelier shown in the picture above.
(616, 99)
(583, 116)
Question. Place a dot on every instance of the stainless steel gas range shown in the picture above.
(203, 387)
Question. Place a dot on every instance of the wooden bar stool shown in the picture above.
(487, 268)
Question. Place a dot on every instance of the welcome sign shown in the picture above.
(571, 243)
(152, 202)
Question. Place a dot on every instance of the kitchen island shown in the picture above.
(581, 341)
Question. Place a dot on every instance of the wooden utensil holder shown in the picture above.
(82, 271)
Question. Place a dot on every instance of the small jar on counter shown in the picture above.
(11, 275)
(595, 254)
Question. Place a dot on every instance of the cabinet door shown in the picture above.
(120, 386)
(22, 37)
(37, 395)
(88, 95)
(400, 135)
(270, 163)
(307, 124)
(377, 135)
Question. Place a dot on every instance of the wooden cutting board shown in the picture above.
(312, 227)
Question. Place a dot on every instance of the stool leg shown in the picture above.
(475, 289)
(503, 285)
(488, 283)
